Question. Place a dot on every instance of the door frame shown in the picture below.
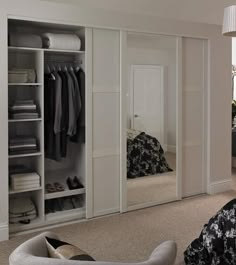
(131, 96)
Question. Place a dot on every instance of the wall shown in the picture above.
(157, 50)
(201, 11)
(218, 120)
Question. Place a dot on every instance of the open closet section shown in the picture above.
(47, 145)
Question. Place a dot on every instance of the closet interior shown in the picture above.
(47, 145)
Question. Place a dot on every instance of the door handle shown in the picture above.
(136, 115)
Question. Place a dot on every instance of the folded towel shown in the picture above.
(25, 40)
(24, 115)
(23, 107)
(61, 41)
(25, 185)
(16, 185)
(31, 74)
(22, 146)
(32, 176)
(23, 102)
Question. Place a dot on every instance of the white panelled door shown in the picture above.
(105, 121)
(193, 130)
(147, 100)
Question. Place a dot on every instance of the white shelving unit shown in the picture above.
(67, 215)
(25, 155)
(24, 84)
(49, 170)
(24, 120)
(28, 58)
(26, 49)
(66, 193)
(11, 192)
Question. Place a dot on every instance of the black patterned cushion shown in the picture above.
(63, 250)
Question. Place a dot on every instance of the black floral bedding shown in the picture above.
(145, 156)
(216, 244)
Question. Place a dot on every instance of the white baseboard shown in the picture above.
(171, 149)
(4, 232)
(220, 186)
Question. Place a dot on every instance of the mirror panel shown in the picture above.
(151, 119)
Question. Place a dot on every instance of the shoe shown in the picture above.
(50, 188)
(71, 184)
(58, 186)
(79, 184)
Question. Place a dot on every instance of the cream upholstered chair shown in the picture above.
(34, 252)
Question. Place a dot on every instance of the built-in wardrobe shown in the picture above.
(93, 158)
(98, 159)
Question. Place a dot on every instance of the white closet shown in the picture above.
(49, 171)
(99, 160)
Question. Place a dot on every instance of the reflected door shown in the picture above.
(147, 98)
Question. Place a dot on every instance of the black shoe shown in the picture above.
(71, 183)
(79, 184)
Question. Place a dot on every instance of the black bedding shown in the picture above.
(145, 156)
(216, 244)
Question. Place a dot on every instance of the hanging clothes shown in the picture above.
(63, 108)
(51, 139)
(80, 133)
(65, 114)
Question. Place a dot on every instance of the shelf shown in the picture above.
(65, 193)
(24, 120)
(24, 84)
(62, 51)
(11, 192)
(26, 49)
(61, 177)
(25, 155)
(22, 227)
(67, 214)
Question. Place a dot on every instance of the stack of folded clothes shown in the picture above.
(24, 181)
(24, 109)
(22, 145)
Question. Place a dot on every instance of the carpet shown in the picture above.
(132, 236)
(156, 188)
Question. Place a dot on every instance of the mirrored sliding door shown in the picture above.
(151, 120)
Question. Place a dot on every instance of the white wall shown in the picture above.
(157, 50)
(203, 11)
(219, 93)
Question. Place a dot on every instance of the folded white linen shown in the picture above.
(25, 176)
(61, 41)
(25, 187)
(25, 40)
(25, 182)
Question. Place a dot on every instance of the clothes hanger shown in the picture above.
(47, 69)
(52, 69)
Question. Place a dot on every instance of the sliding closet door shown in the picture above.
(105, 121)
(193, 130)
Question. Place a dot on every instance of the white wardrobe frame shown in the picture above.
(123, 116)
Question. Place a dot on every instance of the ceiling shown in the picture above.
(203, 11)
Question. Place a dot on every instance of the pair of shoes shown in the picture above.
(55, 187)
(74, 183)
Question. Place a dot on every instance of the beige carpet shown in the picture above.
(133, 236)
(156, 188)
